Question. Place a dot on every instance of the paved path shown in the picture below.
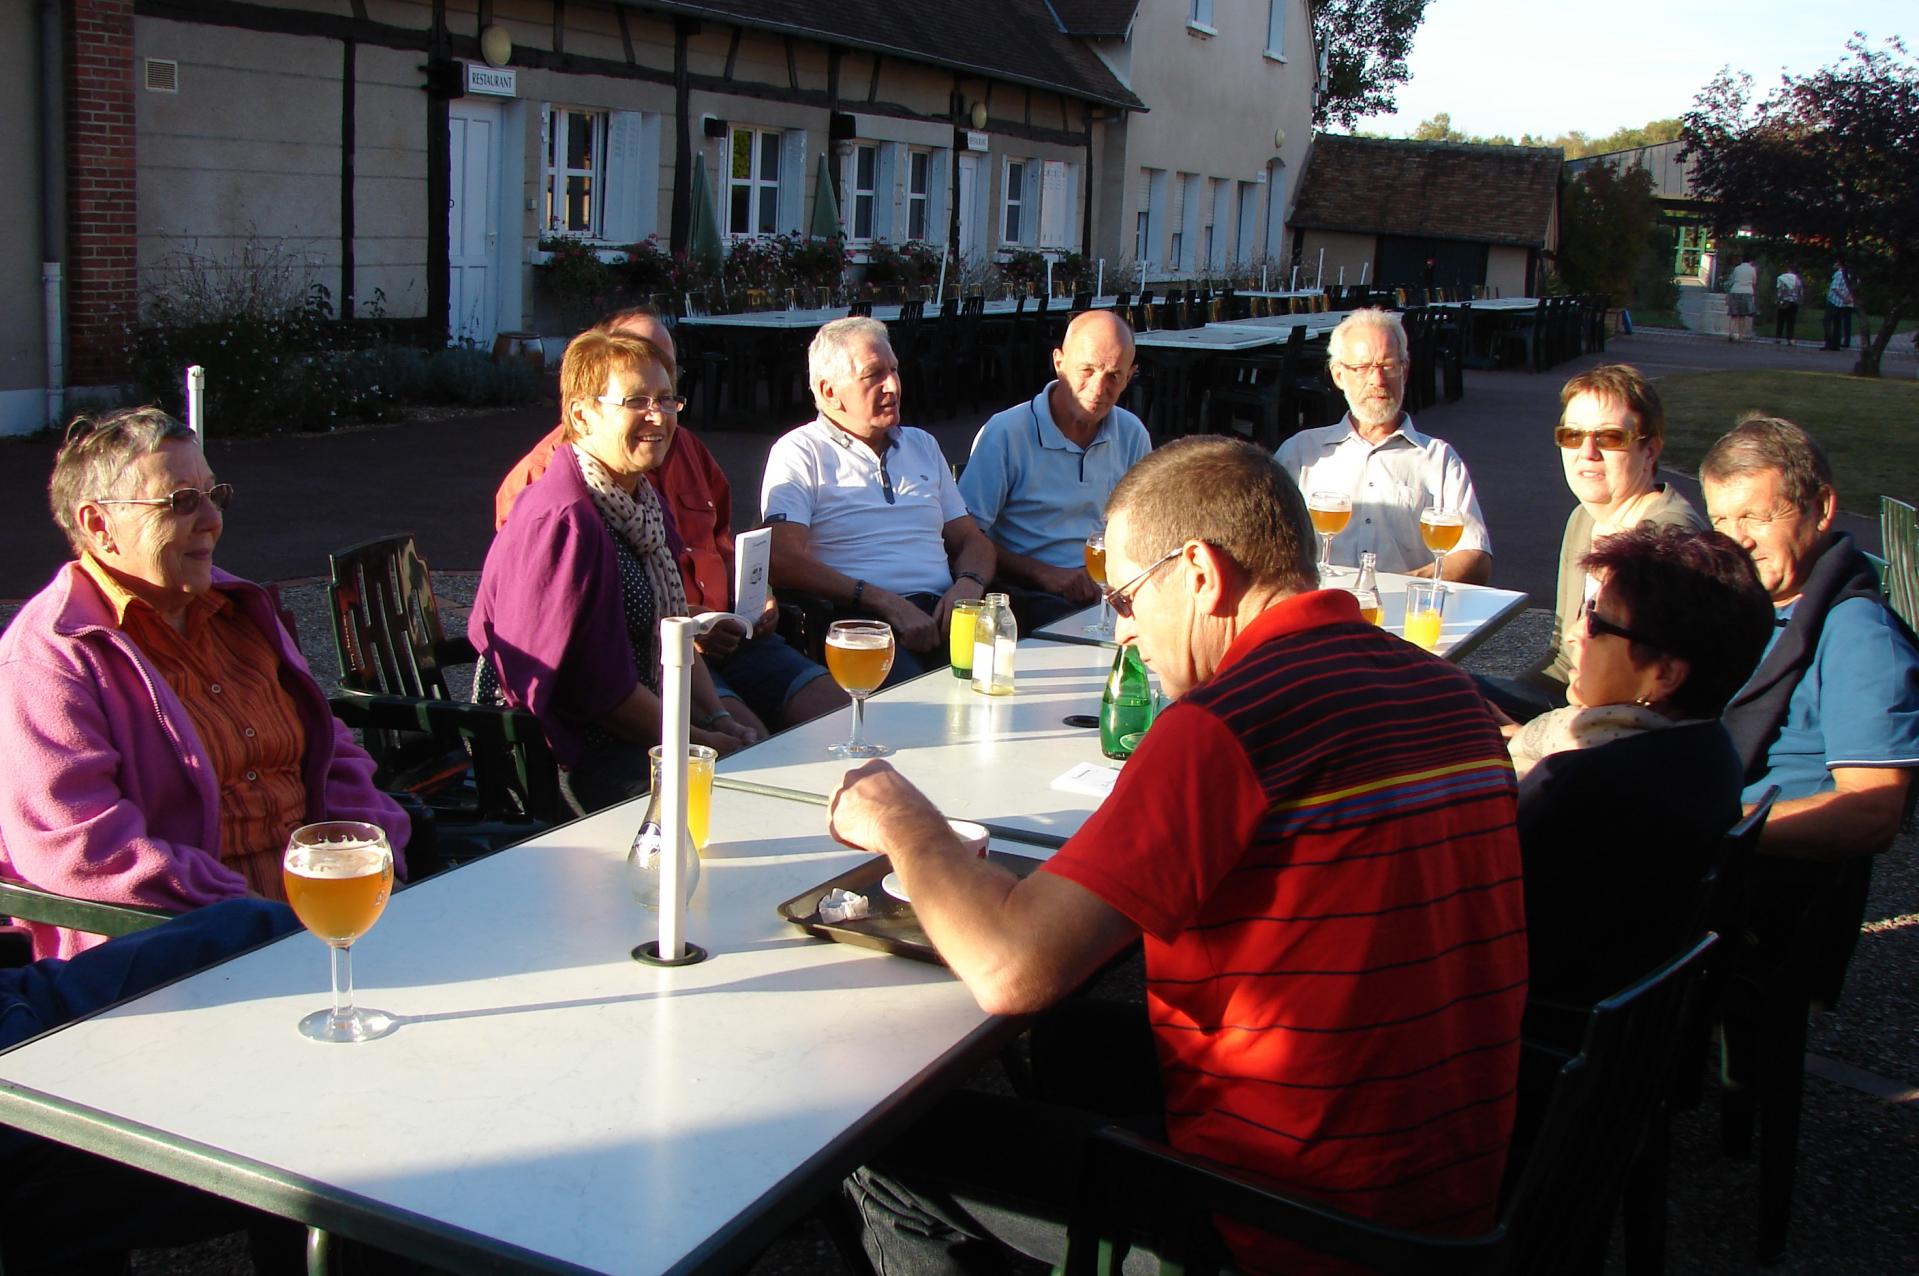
(300, 497)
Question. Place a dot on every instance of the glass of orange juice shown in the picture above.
(959, 636)
(1425, 613)
(699, 788)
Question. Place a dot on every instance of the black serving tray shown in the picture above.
(891, 926)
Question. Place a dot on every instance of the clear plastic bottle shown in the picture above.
(994, 637)
(1366, 588)
(646, 858)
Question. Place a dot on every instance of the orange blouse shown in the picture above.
(226, 673)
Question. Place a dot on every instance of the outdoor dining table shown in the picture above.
(1473, 614)
(546, 1103)
(990, 759)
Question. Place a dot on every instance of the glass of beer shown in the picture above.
(1440, 528)
(1096, 568)
(959, 636)
(338, 875)
(1331, 512)
(859, 655)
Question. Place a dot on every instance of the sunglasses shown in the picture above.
(1610, 439)
(182, 501)
(1121, 599)
(1597, 625)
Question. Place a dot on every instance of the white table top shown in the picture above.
(1282, 325)
(1214, 337)
(1277, 294)
(1492, 303)
(546, 1098)
(986, 758)
(1473, 614)
(809, 319)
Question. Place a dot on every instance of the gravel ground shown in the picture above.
(1859, 1152)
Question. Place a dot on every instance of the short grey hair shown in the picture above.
(830, 357)
(1370, 317)
(1761, 443)
(98, 457)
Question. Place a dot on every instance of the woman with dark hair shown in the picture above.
(163, 733)
(1625, 792)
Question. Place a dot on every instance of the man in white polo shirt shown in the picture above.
(864, 510)
(1390, 470)
(1041, 471)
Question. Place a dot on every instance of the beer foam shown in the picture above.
(859, 641)
(338, 859)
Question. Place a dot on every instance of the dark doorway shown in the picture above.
(1430, 263)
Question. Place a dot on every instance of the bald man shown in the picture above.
(1040, 473)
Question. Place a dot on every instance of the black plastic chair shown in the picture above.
(1571, 1161)
(484, 770)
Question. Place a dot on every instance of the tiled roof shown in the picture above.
(1439, 190)
(1015, 40)
(1094, 18)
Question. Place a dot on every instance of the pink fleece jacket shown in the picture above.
(106, 792)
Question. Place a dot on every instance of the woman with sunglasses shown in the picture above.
(164, 735)
(1611, 430)
(1624, 792)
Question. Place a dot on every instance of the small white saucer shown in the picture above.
(891, 885)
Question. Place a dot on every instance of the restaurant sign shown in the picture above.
(976, 140)
(498, 81)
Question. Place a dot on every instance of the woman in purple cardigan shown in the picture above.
(568, 612)
(164, 735)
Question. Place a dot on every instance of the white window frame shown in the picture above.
(862, 197)
(760, 188)
(558, 124)
(1013, 201)
(919, 160)
(1276, 29)
(1199, 18)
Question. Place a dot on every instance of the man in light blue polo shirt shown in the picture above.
(1040, 472)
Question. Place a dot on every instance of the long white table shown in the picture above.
(1473, 614)
(546, 1103)
(783, 320)
(991, 759)
(1211, 339)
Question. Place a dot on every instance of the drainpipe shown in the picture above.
(53, 200)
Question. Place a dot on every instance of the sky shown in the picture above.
(1552, 66)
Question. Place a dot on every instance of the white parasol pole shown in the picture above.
(1099, 283)
(1262, 279)
(1364, 266)
(1049, 276)
(676, 707)
(1342, 276)
(941, 297)
(1295, 283)
(197, 402)
(1319, 275)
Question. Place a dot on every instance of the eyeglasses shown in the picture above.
(1121, 599)
(184, 501)
(1597, 626)
(1611, 438)
(667, 403)
(1385, 368)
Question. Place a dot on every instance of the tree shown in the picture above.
(1826, 161)
(1606, 225)
(1364, 43)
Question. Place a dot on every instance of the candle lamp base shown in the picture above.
(649, 954)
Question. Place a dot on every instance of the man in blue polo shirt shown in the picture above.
(1040, 472)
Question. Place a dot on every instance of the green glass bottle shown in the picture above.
(1126, 708)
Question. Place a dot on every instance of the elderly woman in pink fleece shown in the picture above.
(163, 733)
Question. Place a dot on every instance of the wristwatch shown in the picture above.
(859, 592)
(975, 577)
(706, 723)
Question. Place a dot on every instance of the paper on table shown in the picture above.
(1089, 779)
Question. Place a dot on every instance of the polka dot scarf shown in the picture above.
(636, 520)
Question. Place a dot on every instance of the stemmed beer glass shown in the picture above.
(1441, 529)
(1331, 511)
(859, 655)
(1096, 568)
(338, 875)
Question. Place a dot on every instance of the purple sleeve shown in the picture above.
(550, 618)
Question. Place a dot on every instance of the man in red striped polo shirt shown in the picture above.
(1316, 842)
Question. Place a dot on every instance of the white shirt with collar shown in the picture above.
(875, 518)
(1390, 483)
(1036, 492)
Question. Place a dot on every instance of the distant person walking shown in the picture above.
(1839, 309)
(1739, 298)
(1787, 291)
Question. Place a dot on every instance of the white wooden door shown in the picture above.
(473, 223)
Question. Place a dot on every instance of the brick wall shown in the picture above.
(101, 274)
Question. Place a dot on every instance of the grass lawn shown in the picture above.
(1868, 428)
